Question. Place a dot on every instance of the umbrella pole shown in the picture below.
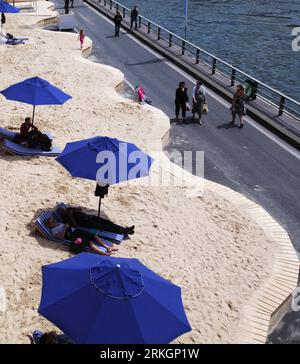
(33, 111)
(99, 206)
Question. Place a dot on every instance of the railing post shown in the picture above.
(214, 66)
(117, 7)
(183, 48)
(281, 105)
(110, 5)
(170, 39)
(124, 12)
(233, 72)
(158, 33)
(104, 2)
(197, 56)
(149, 27)
(140, 21)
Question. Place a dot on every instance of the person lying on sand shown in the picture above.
(75, 217)
(80, 239)
(51, 338)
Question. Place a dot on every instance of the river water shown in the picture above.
(255, 36)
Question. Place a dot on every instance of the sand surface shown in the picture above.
(216, 253)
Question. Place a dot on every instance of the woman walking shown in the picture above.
(238, 105)
(181, 100)
(199, 99)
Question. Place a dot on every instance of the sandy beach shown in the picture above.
(205, 244)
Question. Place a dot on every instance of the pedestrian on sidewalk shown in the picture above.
(118, 20)
(134, 17)
(72, 3)
(3, 19)
(238, 105)
(67, 2)
(199, 99)
(81, 37)
(181, 100)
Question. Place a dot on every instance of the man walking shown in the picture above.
(118, 20)
(134, 17)
(67, 2)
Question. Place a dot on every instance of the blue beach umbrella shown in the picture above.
(104, 300)
(105, 160)
(36, 91)
(6, 8)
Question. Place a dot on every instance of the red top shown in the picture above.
(25, 129)
(81, 36)
(141, 94)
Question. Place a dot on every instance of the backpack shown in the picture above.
(40, 141)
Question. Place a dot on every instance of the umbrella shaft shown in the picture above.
(99, 207)
(33, 111)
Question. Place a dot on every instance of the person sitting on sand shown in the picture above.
(76, 217)
(80, 239)
(51, 338)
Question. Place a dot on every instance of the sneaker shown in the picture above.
(200, 122)
(241, 126)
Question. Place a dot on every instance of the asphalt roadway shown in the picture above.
(251, 160)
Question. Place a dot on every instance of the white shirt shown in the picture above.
(202, 90)
(58, 229)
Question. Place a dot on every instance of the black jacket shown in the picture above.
(181, 96)
(134, 13)
(118, 19)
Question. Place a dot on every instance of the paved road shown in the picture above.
(245, 160)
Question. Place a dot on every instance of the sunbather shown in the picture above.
(80, 238)
(76, 217)
(49, 338)
(10, 41)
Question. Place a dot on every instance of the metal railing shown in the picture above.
(213, 64)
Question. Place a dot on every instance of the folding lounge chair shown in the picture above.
(17, 149)
(20, 38)
(7, 134)
(10, 135)
(14, 41)
(45, 231)
(113, 237)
